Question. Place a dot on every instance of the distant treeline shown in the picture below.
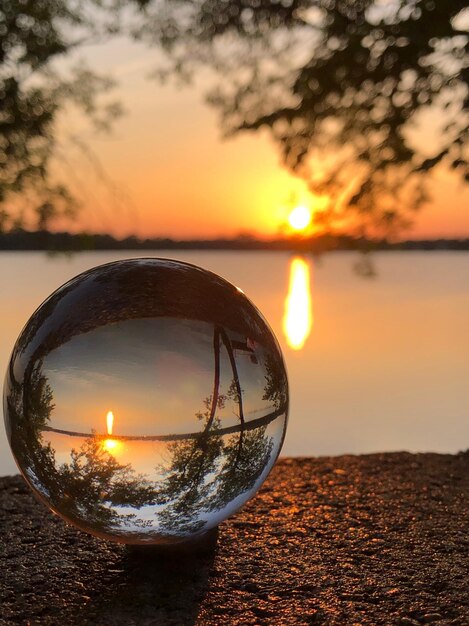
(68, 242)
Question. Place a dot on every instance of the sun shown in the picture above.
(300, 218)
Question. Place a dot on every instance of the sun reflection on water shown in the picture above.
(298, 317)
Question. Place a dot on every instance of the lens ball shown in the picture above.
(146, 401)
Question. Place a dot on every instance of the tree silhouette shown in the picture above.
(205, 474)
(29, 408)
(276, 384)
(86, 490)
(94, 483)
(340, 85)
(184, 488)
(245, 459)
(33, 94)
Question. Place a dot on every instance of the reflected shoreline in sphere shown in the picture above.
(146, 401)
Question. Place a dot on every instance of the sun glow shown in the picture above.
(300, 218)
(110, 444)
(298, 318)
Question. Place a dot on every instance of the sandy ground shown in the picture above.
(377, 539)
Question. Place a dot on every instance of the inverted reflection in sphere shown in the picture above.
(146, 400)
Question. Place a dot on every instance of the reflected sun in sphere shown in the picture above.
(110, 444)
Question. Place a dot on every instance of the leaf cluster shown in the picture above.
(343, 87)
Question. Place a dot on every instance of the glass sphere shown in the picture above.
(146, 401)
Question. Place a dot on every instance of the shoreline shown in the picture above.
(65, 242)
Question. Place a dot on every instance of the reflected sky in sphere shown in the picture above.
(146, 400)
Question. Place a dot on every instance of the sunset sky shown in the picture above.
(170, 174)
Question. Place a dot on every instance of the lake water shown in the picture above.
(375, 364)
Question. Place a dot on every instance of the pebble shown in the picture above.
(429, 618)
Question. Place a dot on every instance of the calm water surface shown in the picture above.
(374, 364)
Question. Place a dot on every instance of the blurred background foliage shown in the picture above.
(33, 93)
(347, 89)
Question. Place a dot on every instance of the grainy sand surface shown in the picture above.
(376, 539)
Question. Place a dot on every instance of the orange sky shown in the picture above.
(171, 174)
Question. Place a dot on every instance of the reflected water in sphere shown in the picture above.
(146, 401)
